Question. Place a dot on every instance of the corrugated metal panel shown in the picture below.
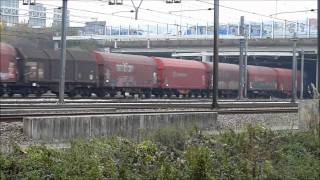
(7, 63)
(81, 55)
(285, 79)
(262, 78)
(56, 55)
(28, 53)
(120, 70)
(134, 59)
(182, 74)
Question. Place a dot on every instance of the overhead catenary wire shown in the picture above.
(250, 12)
(159, 22)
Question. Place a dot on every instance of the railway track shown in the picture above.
(147, 105)
(19, 117)
(16, 112)
(127, 100)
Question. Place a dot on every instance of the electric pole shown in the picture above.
(294, 69)
(241, 59)
(301, 75)
(215, 60)
(63, 53)
(245, 63)
(318, 49)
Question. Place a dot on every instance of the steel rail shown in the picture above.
(149, 105)
(19, 118)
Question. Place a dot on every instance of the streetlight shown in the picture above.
(115, 2)
(29, 2)
(173, 1)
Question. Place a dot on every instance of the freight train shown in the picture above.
(30, 71)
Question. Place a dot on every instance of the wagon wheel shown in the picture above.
(112, 94)
(72, 94)
(147, 95)
(101, 94)
(38, 94)
(86, 94)
(10, 94)
(25, 94)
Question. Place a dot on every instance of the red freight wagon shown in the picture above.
(126, 73)
(285, 80)
(228, 78)
(182, 75)
(261, 80)
(7, 63)
(7, 68)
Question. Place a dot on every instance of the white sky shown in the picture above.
(201, 17)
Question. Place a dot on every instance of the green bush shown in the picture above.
(255, 153)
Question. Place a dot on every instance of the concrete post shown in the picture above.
(115, 44)
(241, 59)
(227, 29)
(157, 29)
(215, 55)
(272, 34)
(294, 69)
(129, 28)
(297, 28)
(148, 44)
(207, 29)
(249, 35)
(308, 26)
(63, 52)
(197, 29)
(245, 63)
(167, 29)
(285, 29)
(302, 72)
(261, 30)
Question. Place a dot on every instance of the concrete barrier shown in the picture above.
(63, 128)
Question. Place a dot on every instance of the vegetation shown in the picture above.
(255, 153)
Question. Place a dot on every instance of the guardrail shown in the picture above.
(167, 37)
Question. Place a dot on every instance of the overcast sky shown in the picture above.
(157, 11)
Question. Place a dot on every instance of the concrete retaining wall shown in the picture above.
(55, 129)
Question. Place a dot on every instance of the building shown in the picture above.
(37, 15)
(9, 12)
(95, 27)
(57, 18)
